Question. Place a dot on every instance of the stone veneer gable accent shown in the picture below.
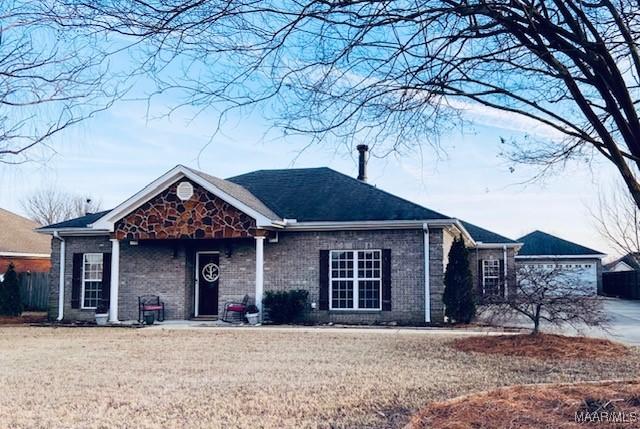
(204, 215)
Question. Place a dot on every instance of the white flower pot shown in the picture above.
(252, 318)
(102, 319)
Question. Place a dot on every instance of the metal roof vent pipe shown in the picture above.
(363, 151)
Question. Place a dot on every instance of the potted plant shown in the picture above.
(102, 314)
(252, 314)
(149, 318)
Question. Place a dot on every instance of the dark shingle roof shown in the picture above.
(541, 243)
(238, 192)
(79, 222)
(323, 194)
(485, 236)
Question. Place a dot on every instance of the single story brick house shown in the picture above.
(197, 241)
(580, 263)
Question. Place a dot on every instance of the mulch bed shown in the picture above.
(25, 319)
(543, 346)
(612, 404)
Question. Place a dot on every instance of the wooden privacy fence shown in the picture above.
(622, 284)
(34, 290)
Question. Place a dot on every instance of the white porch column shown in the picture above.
(427, 276)
(259, 272)
(115, 281)
(61, 277)
(506, 283)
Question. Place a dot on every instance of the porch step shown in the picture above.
(205, 318)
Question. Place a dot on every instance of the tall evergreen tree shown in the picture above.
(10, 303)
(459, 300)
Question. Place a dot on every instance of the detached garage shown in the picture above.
(547, 251)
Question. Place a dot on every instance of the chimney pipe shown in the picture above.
(87, 206)
(363, 150)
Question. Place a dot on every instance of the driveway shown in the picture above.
(625, 320)
(625, 323)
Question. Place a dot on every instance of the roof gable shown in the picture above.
(541, 243)
(630, 260)
(325, 195)
(242, 200)
(166, 216)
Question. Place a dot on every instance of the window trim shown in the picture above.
(84, 280)
(484, 275)
(355, 279)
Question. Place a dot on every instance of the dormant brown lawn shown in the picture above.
(144, 378)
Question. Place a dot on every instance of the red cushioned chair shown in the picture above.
(235, 307)
(149, 304)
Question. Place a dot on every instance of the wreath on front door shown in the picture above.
(210, 272)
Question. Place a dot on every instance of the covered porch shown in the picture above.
(194, 278)
(193, 244)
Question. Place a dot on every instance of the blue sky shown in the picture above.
(115, 154)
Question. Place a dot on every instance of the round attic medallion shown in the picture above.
(185, 191)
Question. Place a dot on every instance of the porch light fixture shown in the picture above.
(228, 251)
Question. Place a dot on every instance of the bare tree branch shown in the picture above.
(395, 73)
(549, 294)
(49, 206)
(50, 79)
(617, 219)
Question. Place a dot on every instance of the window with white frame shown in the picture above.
(491, 277)
(356, 279)
(91, 280)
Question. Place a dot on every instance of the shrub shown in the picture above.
(285, 306)
(458, 298)
(10, 302)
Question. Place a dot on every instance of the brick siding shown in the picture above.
(166, 268)
(494, 253)
(99, 244)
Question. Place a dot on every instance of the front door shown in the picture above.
(207, 273)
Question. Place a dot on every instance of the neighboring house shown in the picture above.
(628, 262)
(621, 278)
(582, 264)
(21, 245)
(364, 255)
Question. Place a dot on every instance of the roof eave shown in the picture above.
(73, 231)
(482, 245)
(584, 256)
(365, 224)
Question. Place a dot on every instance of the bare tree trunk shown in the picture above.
(536, 321)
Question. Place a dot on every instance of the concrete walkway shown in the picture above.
(395, 330)
(625, 326)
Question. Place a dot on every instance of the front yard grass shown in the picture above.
(207, 378)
